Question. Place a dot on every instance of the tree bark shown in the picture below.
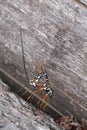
(55, 34)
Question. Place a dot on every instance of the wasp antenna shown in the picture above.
(42, 69)
(37, 67)
(22, 45)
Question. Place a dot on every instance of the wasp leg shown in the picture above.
(36, 91)
(38, 103)
(22, 94)
(43, 105)
(40, 94)
(28, 98)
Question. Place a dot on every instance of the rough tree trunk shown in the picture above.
(55, 34)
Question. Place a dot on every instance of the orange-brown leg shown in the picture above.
(40, 94)
(28, 98)
(36, 91)
(23, 94)
(40, 85)
(43, 105)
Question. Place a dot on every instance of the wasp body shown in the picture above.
(41, 83)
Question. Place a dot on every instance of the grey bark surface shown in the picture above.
(55, 34)
(16, 114)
